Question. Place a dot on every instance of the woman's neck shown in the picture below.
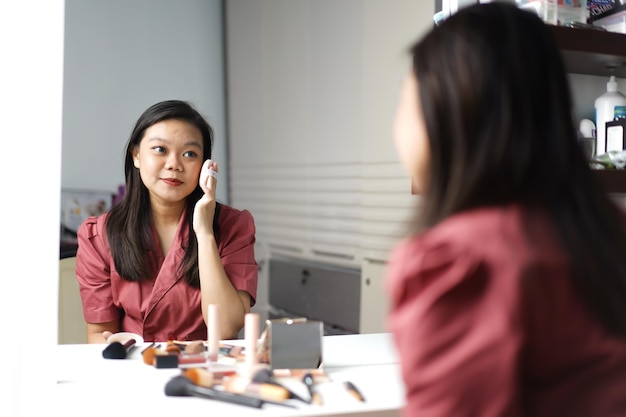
(166, 219)
(164, 215)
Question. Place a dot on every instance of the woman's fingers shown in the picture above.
(205, 207)
(208, 177)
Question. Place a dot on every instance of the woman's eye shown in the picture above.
(190, 154)
(159, 149)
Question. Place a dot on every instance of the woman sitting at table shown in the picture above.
(154, 263)
(509, 299)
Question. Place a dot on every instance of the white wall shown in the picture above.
(31, 41)
(313, 87)
(123, 56)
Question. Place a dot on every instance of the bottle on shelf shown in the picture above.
(605, 112)
(616, 131)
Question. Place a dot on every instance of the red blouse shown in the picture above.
(486, 323)
(163, 307)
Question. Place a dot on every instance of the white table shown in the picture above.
(90, 385)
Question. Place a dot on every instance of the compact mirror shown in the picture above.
(295, 344)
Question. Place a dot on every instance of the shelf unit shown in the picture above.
(592, 52)
(601, 53)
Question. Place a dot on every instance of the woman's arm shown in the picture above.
(457, 334)
(215, 286)
(94, 279)
(217, 289)
(98, 332)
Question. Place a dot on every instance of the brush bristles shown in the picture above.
(178, 387)
(199, 376)
(114, 350)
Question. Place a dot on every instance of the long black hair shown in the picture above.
(499, 116)
(129, 224)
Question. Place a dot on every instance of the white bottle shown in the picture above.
(605, 110)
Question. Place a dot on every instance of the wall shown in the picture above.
(120, 58)
(312, 91)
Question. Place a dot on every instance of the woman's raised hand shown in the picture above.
(205, 207)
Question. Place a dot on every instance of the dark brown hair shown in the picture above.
(129, 225)
(499, 116)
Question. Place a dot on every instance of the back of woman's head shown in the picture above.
(499, 119)
(497, 110)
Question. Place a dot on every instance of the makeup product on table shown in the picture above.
(199, 376)
(151, 345)
(117, 350)
(265, 375)
(214, 332)
(295, 345)
(149, 353)
(316, 398)
(352, 389)
(230, 354)
(174, 361)
(251, 336)
(172, 348)
(180, 386)
(270, 392)
(197, 346)
(123, 337)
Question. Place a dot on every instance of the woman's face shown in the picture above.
(410, 136)
(169, 158)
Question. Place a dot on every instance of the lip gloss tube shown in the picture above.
(214, 333)
(251, 331)
(175, 361)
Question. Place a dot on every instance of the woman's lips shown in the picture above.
(171, 181)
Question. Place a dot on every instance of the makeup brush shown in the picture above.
(149, 353)
(197, 346)
(316, 398)
(199, 376)
(269, 392)
(265, 376)
(354, 391)
(116, 350)
(174, 361)
(179, 386)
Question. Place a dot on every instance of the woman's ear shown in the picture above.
(135, 156)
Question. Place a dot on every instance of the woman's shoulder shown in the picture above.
(229, 214)
(93, 226)
(473, 245)
(491, 230)
(482, 235)
(233, 221)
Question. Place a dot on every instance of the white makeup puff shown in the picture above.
(205, 173)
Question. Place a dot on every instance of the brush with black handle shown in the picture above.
(265, 375)
(117, 350)
(180, 386)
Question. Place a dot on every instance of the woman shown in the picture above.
(509, 297)
(154, 263)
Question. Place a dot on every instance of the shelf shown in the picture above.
(614, 180)
(592, 52)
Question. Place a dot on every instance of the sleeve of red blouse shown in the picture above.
(237, 239)
(456, 339)
(94, 275)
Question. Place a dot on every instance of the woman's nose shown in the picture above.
(173, 163)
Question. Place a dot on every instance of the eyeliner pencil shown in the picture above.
(353, 391)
